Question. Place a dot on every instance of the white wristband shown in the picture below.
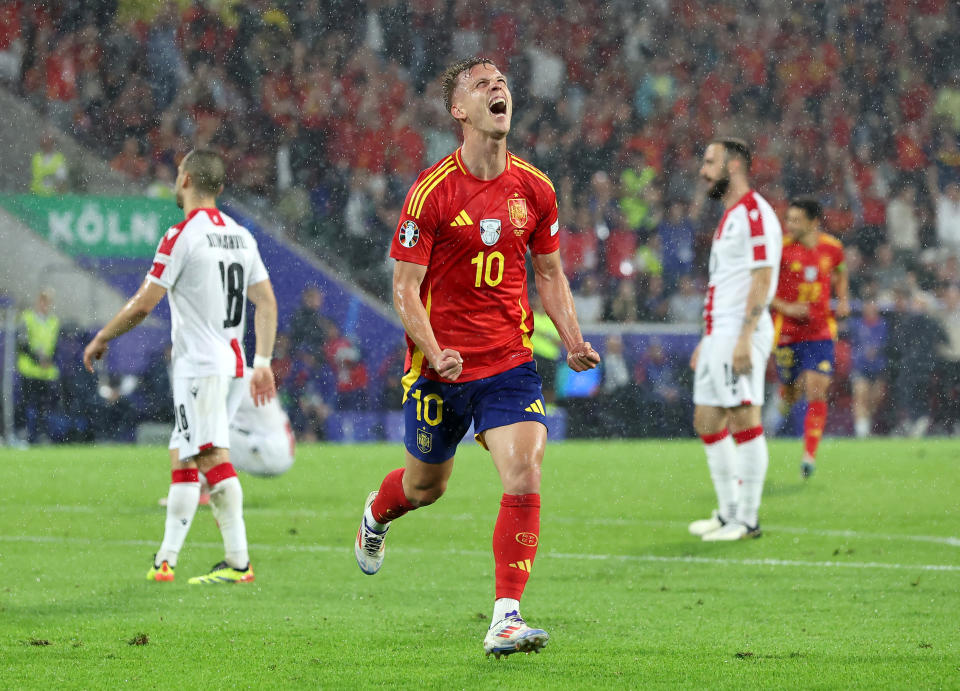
(260, 361)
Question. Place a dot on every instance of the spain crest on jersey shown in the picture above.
(517, 209)
(490, 231)
(810, 274)
(424, 441)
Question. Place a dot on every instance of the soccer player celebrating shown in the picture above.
(208, 266)
(805, 330)
(459, 287)
(730, 360)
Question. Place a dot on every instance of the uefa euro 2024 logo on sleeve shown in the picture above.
(409, 234)
(490, 231)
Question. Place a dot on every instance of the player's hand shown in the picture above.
(262, 386)
(741, 357)
(843, 309)
(582, 358)
(449, 364)
(696, 355)
(94, 351)
(797, 310)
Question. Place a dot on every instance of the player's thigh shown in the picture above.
(436, 416)
(709, 419)
(745, 417)
(816, 385)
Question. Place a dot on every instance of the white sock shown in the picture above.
(722, 460)
(181, 508)
(372, 522)
(226, 501)
(502, 607)
(753, 458)
(861, 427)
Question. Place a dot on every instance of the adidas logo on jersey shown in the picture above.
(525, 565)
(536, 407)
(462, 219)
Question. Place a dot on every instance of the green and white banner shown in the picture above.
(96, 226)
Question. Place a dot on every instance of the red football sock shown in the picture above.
(391, 503)
(813, 425)
(515, 539)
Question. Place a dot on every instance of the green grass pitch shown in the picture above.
(855, 584)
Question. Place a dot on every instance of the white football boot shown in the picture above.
(733, 530)
(707, 525)
(369, 545)
(512, 635)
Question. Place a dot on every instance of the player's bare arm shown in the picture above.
(262, 385)
(554, 291)
(130, 315)
(407, 278)
(695, 355)
(794, 310)
(841, 288)
(756, 305)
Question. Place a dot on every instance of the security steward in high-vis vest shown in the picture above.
(39, 376)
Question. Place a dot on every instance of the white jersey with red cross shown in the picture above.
(748, 236)
(206, 263)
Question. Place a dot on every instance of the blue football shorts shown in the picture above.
(437, 415)
(817, 356)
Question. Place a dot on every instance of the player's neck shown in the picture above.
(808, 239)
(485, 157)
(191, 204)
(735, 192)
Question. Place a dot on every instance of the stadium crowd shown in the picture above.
(326, 111)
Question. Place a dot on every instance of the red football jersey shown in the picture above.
(473, 235)
(805, 274)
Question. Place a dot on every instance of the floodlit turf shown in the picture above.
(856, 582)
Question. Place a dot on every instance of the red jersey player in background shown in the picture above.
(460, 288)
(811, 264)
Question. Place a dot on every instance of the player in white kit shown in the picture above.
(208, 266)
(261, 438)
(730, 360)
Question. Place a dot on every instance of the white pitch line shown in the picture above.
(608, 522)
(649, 558)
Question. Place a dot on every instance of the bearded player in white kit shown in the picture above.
(210, 266)
(730, 360)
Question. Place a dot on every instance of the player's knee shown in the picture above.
(524, 479)
(424, 494)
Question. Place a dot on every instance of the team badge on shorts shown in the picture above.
(424, 441)
(518, 211)
(409, 234)
(490, 231)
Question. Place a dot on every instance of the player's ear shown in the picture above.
(457, 112)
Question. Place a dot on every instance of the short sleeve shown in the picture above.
(546, 236)
(258, 272)
(417, 228)
(169, 259)
(761, 250)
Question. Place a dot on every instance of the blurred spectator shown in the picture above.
(868, 343)
(49, 169)
(676, 234)
(903, 224)
(309, 328)
(914, 338)
(589, 301)
(129, 161)
(947, 208)
(37, 337)
(155, 391)
(623, 305)
(162, 185)
(686, 305)
(547, 348)
(948, 367)
(664, 393)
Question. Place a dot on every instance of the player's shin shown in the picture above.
(182, 502)
(813, 425)
(751, 468)
(515, 539)
(391, 501)
(722, 461)
(226, 502)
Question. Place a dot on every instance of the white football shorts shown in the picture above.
(203, 407)
(714, 383)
